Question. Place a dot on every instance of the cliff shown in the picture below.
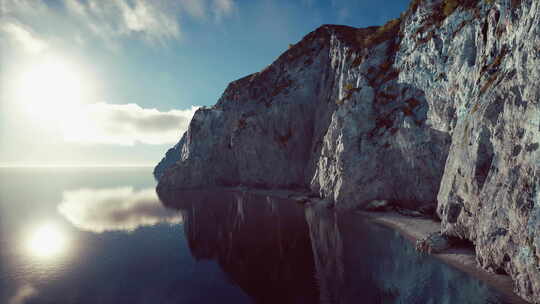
(329, 115)
(440, 107)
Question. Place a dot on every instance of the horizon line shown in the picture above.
(18, 165)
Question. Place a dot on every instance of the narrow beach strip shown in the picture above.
(463, 259)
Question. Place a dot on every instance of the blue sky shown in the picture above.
(88, 82)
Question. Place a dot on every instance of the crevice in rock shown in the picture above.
(485, 156)
(454, 210)
(461, 243)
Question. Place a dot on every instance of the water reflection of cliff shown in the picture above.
(360, 262)
(261, 243)
(279, 252)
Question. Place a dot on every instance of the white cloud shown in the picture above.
(23, 294)
(114, 209)
(155, 21)
(149, 18)
(201, 9)
(125, 124)
(223, 8)
(24, 36)
(75, 7)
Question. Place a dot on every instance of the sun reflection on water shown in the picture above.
(47, 240)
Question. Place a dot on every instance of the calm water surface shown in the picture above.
(103, 236)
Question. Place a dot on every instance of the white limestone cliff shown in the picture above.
(440, 107)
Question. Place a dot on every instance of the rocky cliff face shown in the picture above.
(438, 107)
(329, 115)
(489, 191)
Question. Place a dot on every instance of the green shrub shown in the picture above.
(474, 108)
(488, 84)
(413, 6)
(413, 102)
(443, 10)
(383, 33)
(390, 25)
(407, 111)
(496, 62)
(515, 3)
(356, 62)
(349, 91)
(449, 7)
(279, 88)
(242, 123)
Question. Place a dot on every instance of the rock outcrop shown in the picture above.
(490, 189)
(171, 157)
(440, 106)
(329, 115)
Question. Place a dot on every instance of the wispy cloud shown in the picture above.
(28, 7)
(114, 209)
(223, 8)
(24, 36)
(126, 124)
(203, 9)
(154, 21)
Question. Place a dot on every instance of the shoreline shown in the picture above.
(463, 259)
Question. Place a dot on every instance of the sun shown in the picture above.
(50, 89)
(47, 240)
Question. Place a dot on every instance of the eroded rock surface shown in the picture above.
(489, 191)
(438, 107)
(329, 115)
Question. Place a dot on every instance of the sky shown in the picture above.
(115, 82)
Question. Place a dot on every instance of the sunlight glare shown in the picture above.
(47, 240)
(50, 89)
